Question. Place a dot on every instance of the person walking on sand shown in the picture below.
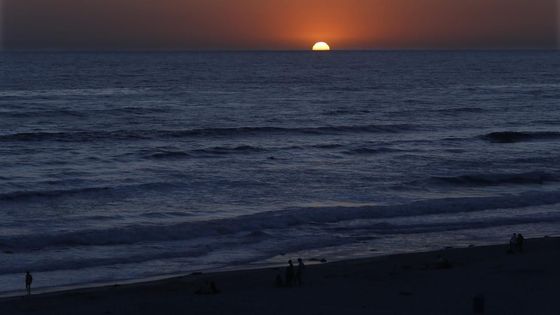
(28, 281)
(299, 272)
(290, 273)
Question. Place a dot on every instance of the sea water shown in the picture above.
(119, 166)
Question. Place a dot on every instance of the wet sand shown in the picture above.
(521, 283)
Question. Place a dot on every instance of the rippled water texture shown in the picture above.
(123, 166)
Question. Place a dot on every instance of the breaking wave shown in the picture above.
(497, 179)
(288, 218)
(514, 136)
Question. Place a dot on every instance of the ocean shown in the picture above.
(126, 166)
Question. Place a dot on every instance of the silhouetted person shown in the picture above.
(28, 282)
(443, 263)
(209, 287)
(512, 243)
(290, 274)
(519, 242)
(299, 272)
(213, 288)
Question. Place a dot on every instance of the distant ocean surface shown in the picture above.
(117, 166)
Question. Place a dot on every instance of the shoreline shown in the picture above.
(261, 265)
(411, 277)
(223, 270)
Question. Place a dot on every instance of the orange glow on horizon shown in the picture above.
(280, 24)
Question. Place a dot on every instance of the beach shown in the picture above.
(279, 157)
(505, 283)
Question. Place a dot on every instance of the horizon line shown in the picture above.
(155, 50)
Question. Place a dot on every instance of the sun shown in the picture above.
(321, 46)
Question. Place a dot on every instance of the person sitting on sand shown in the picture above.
(28, 282)
(209, 287)
(443, 263)
(299, 272)
(519, 242)
(290, 273)
(214, 288)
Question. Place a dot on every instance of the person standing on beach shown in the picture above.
(299, 272)
(519, 242)
(290, 274)
(28, 281)
(512, 243)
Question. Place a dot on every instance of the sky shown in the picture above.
(278, 24)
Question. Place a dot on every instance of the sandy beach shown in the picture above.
(519, 283)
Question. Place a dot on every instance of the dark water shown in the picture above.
(119, 166)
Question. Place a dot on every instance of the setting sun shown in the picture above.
(321, 46)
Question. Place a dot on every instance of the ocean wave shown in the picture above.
(497, 179)
(76, 136)
(263, 245)
(445, 226)
(27, 195)
(69, 92)
(550, 122)
(339, 112)
(521, 86)
(230, 150)
(460, 110)
(87, 192)
(90, 136)
(327, 146)
(168, 155)
(43, 113)
(74, 263)
(288, 218)
(81, 112)
(515, 136)
(371, 151)
(218, 150)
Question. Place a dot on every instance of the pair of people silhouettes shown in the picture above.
(293, 275)
(519, 242)
(516, 242)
